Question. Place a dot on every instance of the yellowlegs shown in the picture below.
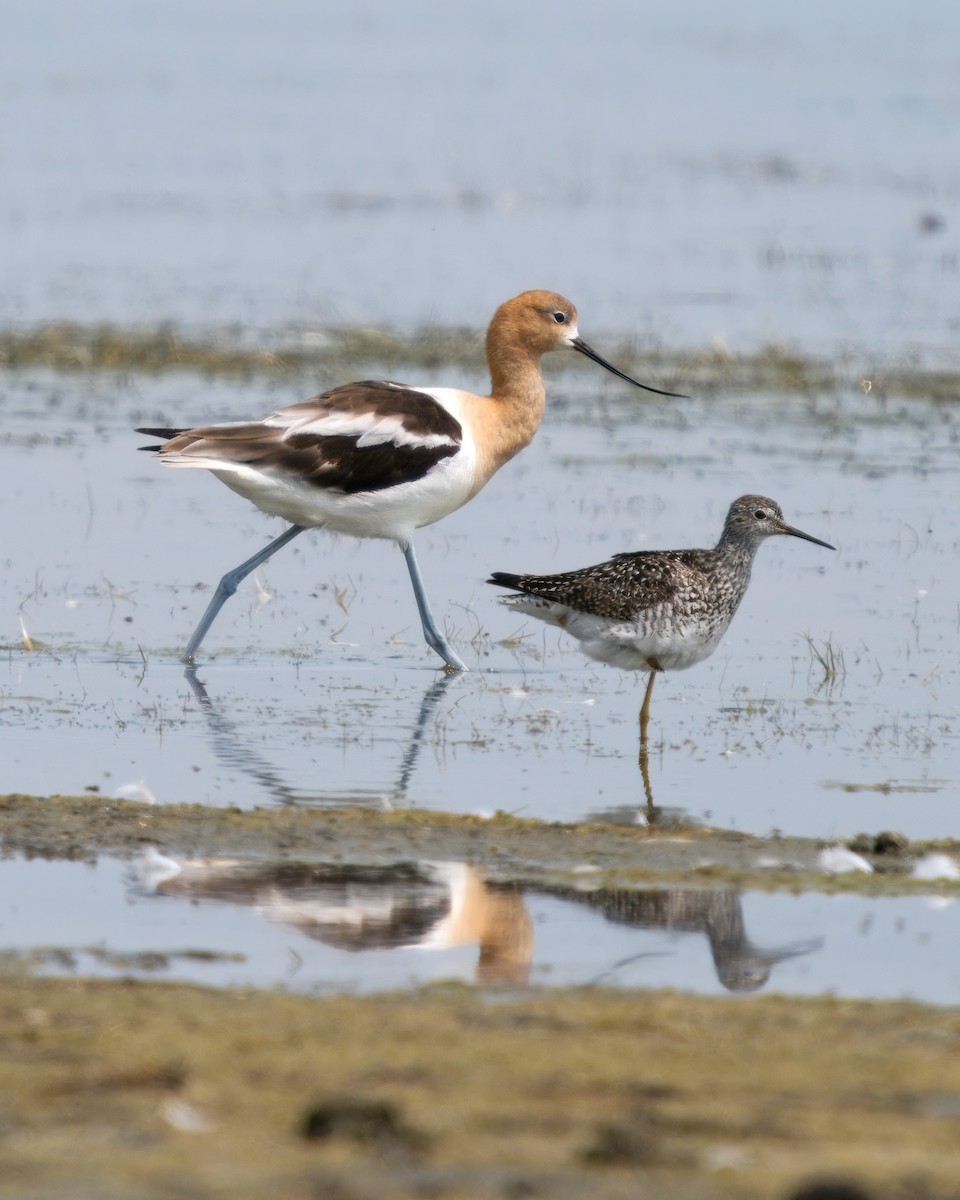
(379, 460)
(655, 610)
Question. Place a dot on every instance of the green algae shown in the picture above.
(71, 347)
(511, 849)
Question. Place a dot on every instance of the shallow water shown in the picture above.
(318, 686)
(368, 929)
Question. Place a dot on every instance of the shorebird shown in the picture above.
(655, 610)
(377, 459)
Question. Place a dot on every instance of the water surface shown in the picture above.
(335, 927)
(319, 686)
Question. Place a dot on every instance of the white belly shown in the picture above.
(393, 512)
(389, 512)
(667, 645)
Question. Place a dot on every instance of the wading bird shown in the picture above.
(655, 610)
(377, 459)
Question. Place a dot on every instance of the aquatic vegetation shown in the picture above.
(69, 346)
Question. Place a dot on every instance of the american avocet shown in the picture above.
(379, 459)
(655, 610)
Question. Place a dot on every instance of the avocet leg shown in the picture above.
(434, 638)
(228, 585)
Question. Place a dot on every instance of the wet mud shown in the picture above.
(144, 1090)
(512, 850)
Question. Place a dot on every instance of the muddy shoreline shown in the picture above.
(153, 1090)
(511, 849)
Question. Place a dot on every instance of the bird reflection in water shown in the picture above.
(422, 905)
(741, 966)
(442, 905)
(232, 747)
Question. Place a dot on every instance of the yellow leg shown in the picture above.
(644, 752)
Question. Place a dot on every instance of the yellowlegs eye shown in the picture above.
(560, 317)
(760, 515)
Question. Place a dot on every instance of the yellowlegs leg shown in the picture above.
(434, 638)
(644, 750)
(228, 585)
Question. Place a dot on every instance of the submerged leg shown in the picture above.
(228, 585)
(647, 786)
(435, 639)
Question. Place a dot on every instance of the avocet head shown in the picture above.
(542, 321)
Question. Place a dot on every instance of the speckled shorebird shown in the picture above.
(378, 459)
(655, 610)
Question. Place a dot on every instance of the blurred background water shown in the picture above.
(767, 173)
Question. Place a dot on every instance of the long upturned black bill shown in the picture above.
(579, 344)
(807, 537)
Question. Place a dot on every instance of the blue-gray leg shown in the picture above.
(228, 585)
(435, 639)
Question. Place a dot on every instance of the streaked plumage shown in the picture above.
(380, 459)
(655, 610)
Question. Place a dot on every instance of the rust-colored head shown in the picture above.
(538, 321)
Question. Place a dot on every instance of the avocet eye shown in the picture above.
(560, 317)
